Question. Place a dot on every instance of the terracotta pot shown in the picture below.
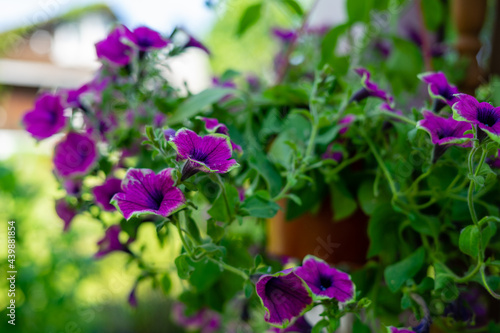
(337, 242)
(468, 18)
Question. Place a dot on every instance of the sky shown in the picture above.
(161, 15)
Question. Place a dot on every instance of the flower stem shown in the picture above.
(224, 195)
(183, 240)
(397, 116)
(485, 283)
(229, 268)
(380, 163)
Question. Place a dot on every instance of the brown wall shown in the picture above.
(14, 102)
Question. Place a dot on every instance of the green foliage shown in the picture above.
(397, 274)
(250, 16)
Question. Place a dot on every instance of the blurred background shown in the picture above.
(49, 44)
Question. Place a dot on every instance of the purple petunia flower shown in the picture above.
(74, 96)
(346, 122)
(193, 42)
(46, 119)
(284, 35)
(169, 133)
(324, 281)
(300, 325)
(205, 320)
(424, 325)
(369, 89)
(494, 161)
(72, 186)
(445, 130)
(111, 242)
(439, 89)
(212, 125)
(132, 298)
(468, 308)
(333, 153)
(398, 330)
(144, 192)
(211, 153)
(284, 296)
(114, 48)
(483, 115)
(105, 192)
(65, 212)
(75, 155)
(147, 39)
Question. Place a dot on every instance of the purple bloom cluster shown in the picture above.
(105, 192)
(289, 294)
(66, 212)
(119, 46)
(212, 125)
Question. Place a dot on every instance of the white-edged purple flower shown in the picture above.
(439, 89)
(115, 49)
(445, 130)
(105, 192)
(285, 296)
(147, 39)
(210, 153)
(111, 242)
(483, 115)
(144, 192)
(212, 125)
(66, 212)
(324, 281)
(370, 89)
(74, 96)
(75, 155)
(47, 118)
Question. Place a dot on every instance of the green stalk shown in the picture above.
(396, 116)
(230, 268)
(224, 195)
(381, 164)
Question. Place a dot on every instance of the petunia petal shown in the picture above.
(284, 296)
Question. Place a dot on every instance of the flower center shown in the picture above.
(446, 93)
(144, 42)
(156, 199)
(445, 133)
(487, 116)
(325, 283)
(198, 155)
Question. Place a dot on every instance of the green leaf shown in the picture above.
(488, 232)
(343, 204)
(469, 241)
(320, 325)
(195, 104)
(250, 16)
(184, 268)
(382, 230)
(219, 211)
(261, 164)
(294, 6)
(406, 301)
(248, 289)
(329, 43)
(397, 274)
(424, 224)
(444, 283)
(193, 230)
(166, 284)
(205, 274)
(433, 12)
(214, 231)
(359, 10)
(260, 207)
